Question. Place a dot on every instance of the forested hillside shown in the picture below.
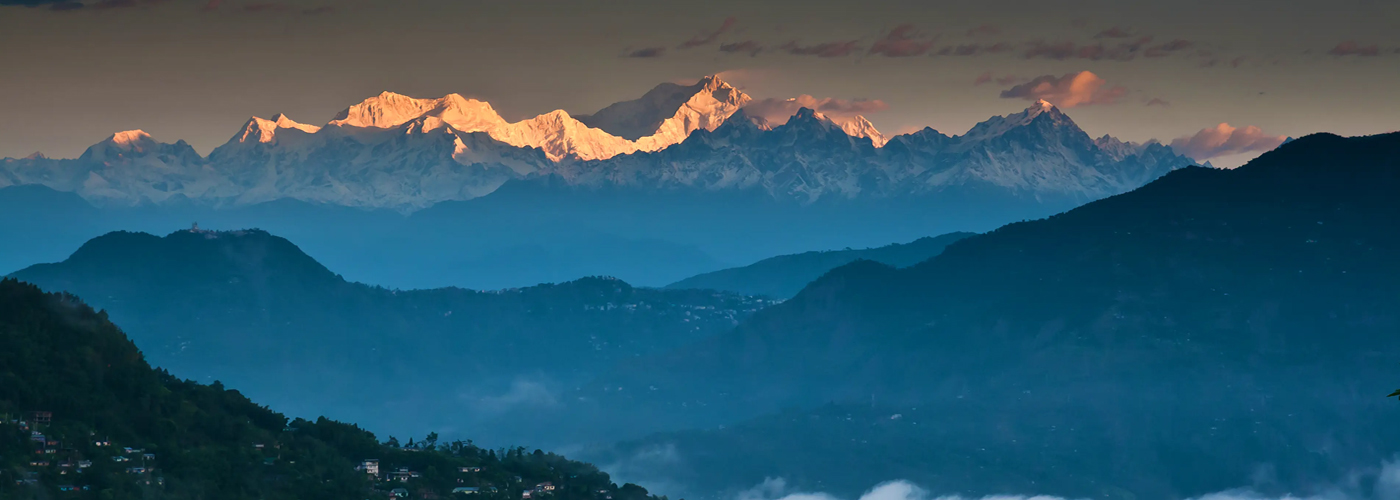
(85, 416)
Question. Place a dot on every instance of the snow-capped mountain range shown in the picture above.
(395, 151)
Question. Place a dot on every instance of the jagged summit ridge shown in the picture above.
(264, 131)
(388, 110)
(1038, 153)
(670, 112)
(405, 153)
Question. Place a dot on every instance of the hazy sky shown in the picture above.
(197, 69)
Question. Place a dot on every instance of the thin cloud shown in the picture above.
(1100, 51)
(1157, 101)
(903, 41)
(990, 77)
(646, 52)
(1225, 140)
(1050, 50)
(71, 5)
(750, 47)
(1009, 79)
(264, 7)
(827, 49)
(706, 39)
(984, 30)
(974, 49)
(214, 5)
(1074, 89)
(1351, 48)
(1168, 48)
(778, 111)
(1115, 32)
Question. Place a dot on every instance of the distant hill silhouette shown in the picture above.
(1163, 343)
(785, 275)
(253, 310)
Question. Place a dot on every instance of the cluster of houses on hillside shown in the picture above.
(541, 488)
(371, 467)
(50, 451)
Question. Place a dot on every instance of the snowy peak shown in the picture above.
(670, 112)
(125, 144)
(669, 109)
(1040, 112)
(1116, 148)
(259, 130)
(810, 126)
(562, 137)
(133, 144)
(858, 126)
(388, 110)
(741, 119)
(282, 121)
(131, 140)
(559, 135)
(721, 92)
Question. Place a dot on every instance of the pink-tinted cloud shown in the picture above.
(750, 47)
(646, 52)
(1115, 32)
(984, 30)
(827, 49)
(779, 110)
(1351, 48)
(1237, 62)
(903, 41)
(708, 38)
(1224, 140)
(1075, 89)
(974, 49)
(983, 78)
(1157, 101)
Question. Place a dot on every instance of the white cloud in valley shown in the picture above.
(1378, 483)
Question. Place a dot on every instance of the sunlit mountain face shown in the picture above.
(549, 250)
(396, 152)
